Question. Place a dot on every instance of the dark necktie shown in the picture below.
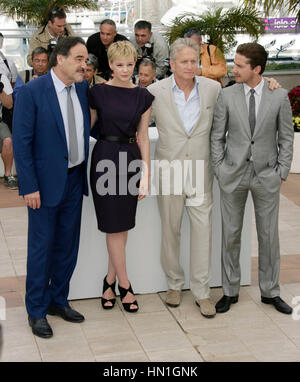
(73, 143)
(252, 118)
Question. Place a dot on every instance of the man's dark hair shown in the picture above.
(143, 24)
(63, 48)
(59, 13)
(256, 54)
(108, 21)
(39, 50)
(191, 32)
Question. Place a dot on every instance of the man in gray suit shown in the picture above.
(251, 149)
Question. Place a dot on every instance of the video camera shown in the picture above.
(51, 45)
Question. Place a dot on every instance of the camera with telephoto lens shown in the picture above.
(52, 45)
(147, 51)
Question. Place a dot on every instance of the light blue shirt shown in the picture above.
(189, 110)
(61, 92)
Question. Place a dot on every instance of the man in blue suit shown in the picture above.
(51, 127)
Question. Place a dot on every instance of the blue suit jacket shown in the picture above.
(39, 140)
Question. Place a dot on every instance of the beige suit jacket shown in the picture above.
(176, 149)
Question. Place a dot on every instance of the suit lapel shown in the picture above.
(202, 98)
(241, 107)
(264, 106)
(54, 105)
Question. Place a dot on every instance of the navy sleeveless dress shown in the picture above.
(115, 166)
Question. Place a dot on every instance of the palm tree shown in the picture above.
(220, 26)
(36, 11)
(293, 6)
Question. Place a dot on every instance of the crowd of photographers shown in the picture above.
(152, 65)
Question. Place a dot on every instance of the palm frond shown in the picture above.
(293, 6)
(220, 27)
(36, 11)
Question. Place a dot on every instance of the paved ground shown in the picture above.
(250, 331)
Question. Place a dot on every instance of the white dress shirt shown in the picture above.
(11, 72)
(61, 92)
(189, 110)
(7, 89)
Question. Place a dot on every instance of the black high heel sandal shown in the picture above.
(126, 305)
(104, 300)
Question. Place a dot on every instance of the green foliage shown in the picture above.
(293, 6)
(220, 26)
(36, 11)
(285, 66)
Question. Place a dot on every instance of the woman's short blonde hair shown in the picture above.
(121, 50)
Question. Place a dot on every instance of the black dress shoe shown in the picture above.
(223, 305)
(40, 327)
(67, 313)
(278, 303)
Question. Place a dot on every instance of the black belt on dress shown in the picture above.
(113, 138)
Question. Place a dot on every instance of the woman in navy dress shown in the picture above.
(123, 112)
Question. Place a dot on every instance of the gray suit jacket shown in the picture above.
(175, 146)
(271, 146)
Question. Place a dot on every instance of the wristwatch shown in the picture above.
(1, 87)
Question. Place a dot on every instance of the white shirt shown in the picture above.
(7, 89)
(12, 72)
(189, 110)
(257, 95)
(61, 92)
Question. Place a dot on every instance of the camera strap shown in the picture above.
(5, 61)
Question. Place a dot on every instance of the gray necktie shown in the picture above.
(252, 118)
(73, 143)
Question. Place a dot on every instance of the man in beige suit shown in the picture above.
(183, 111)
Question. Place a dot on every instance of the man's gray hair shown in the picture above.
(93, 60)
(109, 22)
(182, 43)
(147, 62)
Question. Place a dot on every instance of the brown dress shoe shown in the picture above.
(207, 309)
(173, 298)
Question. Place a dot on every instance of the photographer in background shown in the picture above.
(10, 71)
(5, 133)
(150, 45)
(98, 44)
(47, 35)
(91, 71)
(147, 73)
(40, 66)
(7, 66)
(212, 61)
